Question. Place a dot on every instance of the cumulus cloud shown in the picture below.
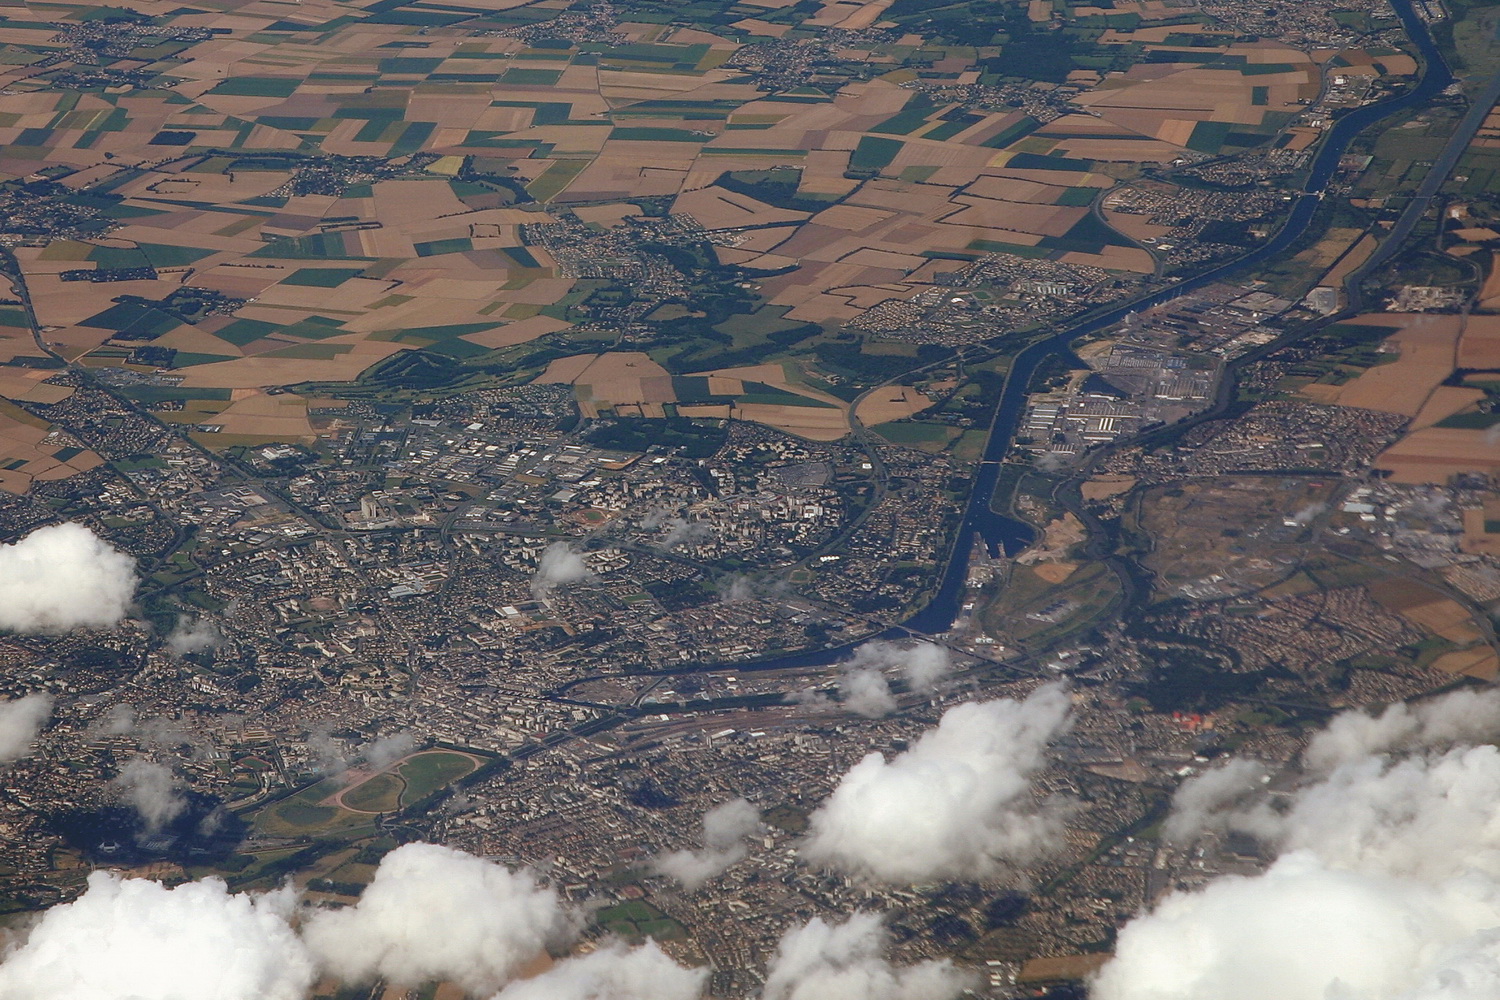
(1387, 886)
(138, 939)
(1427, 817)
(379, 753)
(613, 972)
(954, 805)
(864, 687)
(726, 825)
(192, 636)
(63, 577)
(162, 732)
(681, 531)
(725, 828)
(1308, 931)
(738, 588)
(559, 564)
(743, 587)
(1460, 716)
(1200, 802)
(809, 698)
(1343, 757)
(1306, 515)
(118, 720)
(865, 692)
(922, 664)
(152, 790)
(20, 723)
(328, 755)
(1050, 461)
(434, 913)
(925, 664)
(821, 961)
(331, 756)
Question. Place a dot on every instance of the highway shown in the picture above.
(1428, 189)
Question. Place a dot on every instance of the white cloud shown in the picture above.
(63, 577)
(1347, 752)
(1306, 514)
(1200, 802)
(921, 664)
(1306, 931)
(924, 664)
(613, 972)
(152, 790)
(694, 868)
(863, 686)
(559, 564)
(821, 961)
(139, 940)
(379, 753)
(434, 913)
(117, 720)
(727, 824)
(953, 805)
(725, 828)
(327, 753)
(809, 698)
(1429, 818)
(1387, 888)
(162, 732)
(331, 756)
(20, 723)
(681, 531)
(192, 636)
(1460, 716)
(738, 588)
(865, 692)
(1050, 461)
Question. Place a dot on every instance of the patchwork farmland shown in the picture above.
(273, 196)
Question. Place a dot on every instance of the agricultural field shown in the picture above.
(272, 195)
(1446, 620)
(32, 449)
(1443, 371)
(631, 384)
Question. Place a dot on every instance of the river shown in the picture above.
(1001, 532)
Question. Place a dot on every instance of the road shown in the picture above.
(1417, 208)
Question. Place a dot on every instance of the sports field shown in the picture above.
(345, 803)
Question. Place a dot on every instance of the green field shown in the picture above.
(427, 772)
(637, 919)
(928, 437)
(970, 446)
(647, 134)
(556, 177)
(302, 815)
(316, 352)
(381, 793)
(320, 277)
(874, 153)
(1083, 599)
(256, 86)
